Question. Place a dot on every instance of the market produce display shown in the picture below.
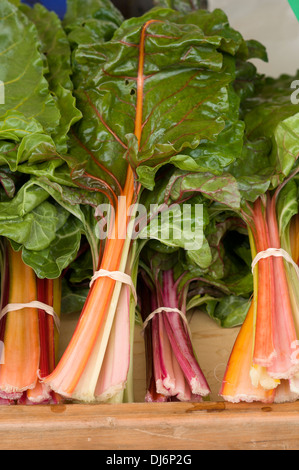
(147, 170)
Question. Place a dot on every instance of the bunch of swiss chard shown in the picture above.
(158, 95)
(215, 274)
(48, 220)
(39, 237)
(264, 362)
(102, 114)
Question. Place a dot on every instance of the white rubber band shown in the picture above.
(116, 276)
(34, 304)
(276, 252)
(166, 310)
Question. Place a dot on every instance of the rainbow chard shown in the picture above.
(38, 112)
(187, 264)
(268, 342)
(141, 107)
(29, 334)
(173, 371)
(266, 349)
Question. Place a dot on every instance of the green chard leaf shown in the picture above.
(270, 114)
(22, 70)
(185, 93)
(270, 148)
(56, 49)
(228, 312)
(184, 6)
(223, 188)
(91, 21)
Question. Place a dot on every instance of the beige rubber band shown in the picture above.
(116, 276)
(34, 304)
(166, 310)
(278, 253)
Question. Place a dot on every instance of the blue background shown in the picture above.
(59, 6)
(128, 8)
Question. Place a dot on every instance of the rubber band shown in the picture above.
(34, 304)
(276, 252)
(116, 276)
(166, 310)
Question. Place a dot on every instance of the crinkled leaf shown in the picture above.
(184, 6)
(91, 21)
(8, 184)
(229, 312)
(27, 141)
(177, 225)
(253, 170)
(72, 300)
(55, 46)
(22, 70)
(35, 230)
(50, 262)
(287, 205)
(223, 189)
(212, 23)
(216, 23)
(256, 50)
(185, 95)
(26, 200)
(15, 126)
(270, 114)
(216, 156)
(80, 204)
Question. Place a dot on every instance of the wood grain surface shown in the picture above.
(171, 426)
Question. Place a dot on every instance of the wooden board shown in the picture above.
(141, 426)
(171, 426)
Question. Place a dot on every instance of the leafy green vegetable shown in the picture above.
(91, 21)
(193, 70)
(184, 6)
(56, 48)
(22, 70)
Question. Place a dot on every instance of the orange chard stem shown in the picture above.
(21, 337)
(81, 345)
(140, 82)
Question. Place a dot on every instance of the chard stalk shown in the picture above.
(237, 385)
(173, 370)
(113, 375)
(264, 351)
(21, 336)
(284, 393)
(290, 243)
(49, 292)
(94, 383)
(71, 368)
(180, 340)
(29, 335)
(262, 375)
(285, 337)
